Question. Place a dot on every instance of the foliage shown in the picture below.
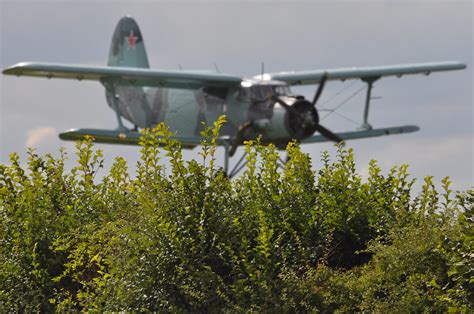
(190, 239)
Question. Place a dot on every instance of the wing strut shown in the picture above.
(110, 87)
(370, 84)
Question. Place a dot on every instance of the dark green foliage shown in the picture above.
(190, 239)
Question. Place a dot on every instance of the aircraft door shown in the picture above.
(182, 112)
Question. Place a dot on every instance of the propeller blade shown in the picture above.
(285, 105)
(328, 134)
(320, 89)
(281, 102)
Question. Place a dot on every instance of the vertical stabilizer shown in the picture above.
(127, 48)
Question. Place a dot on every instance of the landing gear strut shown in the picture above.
(229, 145)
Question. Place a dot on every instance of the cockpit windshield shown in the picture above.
(281, 90)
(267, 91)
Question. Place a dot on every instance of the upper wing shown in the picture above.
(374, 72)
(123, 75)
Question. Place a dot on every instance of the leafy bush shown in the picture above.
(190, 239)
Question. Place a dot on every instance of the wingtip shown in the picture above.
(10, 70)
(459, 65)
(411, 128)
(15, 69)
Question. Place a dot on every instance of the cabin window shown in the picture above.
(215, 98)
(266, 91)
(243, 93)
(255, 92)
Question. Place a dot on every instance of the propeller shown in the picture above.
(304, 118)
(320, 89)
(328, 134)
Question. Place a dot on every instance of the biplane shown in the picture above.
(262, 106)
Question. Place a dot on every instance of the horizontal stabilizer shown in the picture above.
(365, 133)
(124, 137)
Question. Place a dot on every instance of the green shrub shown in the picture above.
(188, 238)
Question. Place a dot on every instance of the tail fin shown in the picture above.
(127, 48)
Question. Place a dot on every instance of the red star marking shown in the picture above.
(132, 40)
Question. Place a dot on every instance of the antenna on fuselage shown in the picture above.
(180, 67)
(263, 71)
(217, 68)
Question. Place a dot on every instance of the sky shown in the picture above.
(238, 36)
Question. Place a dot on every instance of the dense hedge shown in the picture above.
(190, 239)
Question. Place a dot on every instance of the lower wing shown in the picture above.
(365, 133)
(126, 137)
(133, 138)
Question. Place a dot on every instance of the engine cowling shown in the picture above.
(280, 118)
(302, 119)
(287, 122)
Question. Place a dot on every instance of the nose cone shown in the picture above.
(303, 119)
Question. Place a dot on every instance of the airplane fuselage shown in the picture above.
(187, 111)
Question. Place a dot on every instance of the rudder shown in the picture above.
(127, 48)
